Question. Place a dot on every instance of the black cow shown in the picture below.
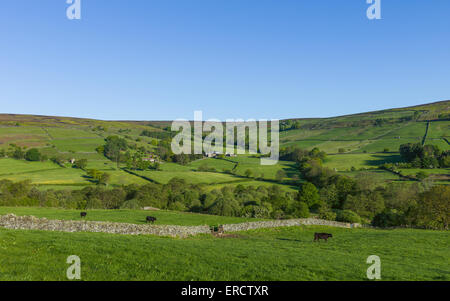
(83, 214)
(319, 236)
(150, 219)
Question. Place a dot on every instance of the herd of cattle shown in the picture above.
(317, 236)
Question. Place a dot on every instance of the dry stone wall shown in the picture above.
(11, 221)
(285, 223)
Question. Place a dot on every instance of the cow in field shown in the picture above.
(83, 214)
(319, 236)
(150, 219)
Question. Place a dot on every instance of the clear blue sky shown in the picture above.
(163, 59)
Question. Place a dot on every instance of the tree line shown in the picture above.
(355, 201)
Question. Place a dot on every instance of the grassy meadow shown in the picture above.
(164, 217)
(269, 254)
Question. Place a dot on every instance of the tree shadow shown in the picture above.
(380, 160)
(287, 239)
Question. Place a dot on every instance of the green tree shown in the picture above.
(433, 209)
(300, 210)
(17, 153)
(81, 164)
(310, 196)
(33, 155)
(280, 175)
(421, 175)
(114, 145)
(104, 178)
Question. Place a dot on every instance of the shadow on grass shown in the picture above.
(381, 159)
(287, 239)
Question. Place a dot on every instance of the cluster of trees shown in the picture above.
(262, 202)
(290, 124)
(163, 135)
(348, 200)
(428, 156)
(21, 153)
(137, 161)
(113, 147)
(99, 177)
(363, 198)
(300, 156)
(118, 150)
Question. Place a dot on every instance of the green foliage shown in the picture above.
(309, 195)
(102, 178)
(114, 145)
(366, 204)
(33, 155)
(280, 175)
(421, 175)
(428, 156)
(300, 210)
(388, 218)
(433, 208)
(347, 216)
(326, 214)
(16, 152)
(131, 204)
(81, 164)
(205, 167)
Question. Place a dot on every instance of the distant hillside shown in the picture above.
(354, 143)
(365, 132)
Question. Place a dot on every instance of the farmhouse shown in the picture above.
(150, 158)
(212, 155)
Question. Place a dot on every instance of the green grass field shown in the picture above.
(48, 173)
(344, 162)
(128, 216)
(269, 254)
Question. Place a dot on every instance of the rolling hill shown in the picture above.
(352, 142)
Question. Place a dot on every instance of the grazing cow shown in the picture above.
(150, 219)
(83, 214)
(319, 236)
(217, 231)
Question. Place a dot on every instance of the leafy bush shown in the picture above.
(347, 216)
(33, 155)
(387, 218)
(301, 210)
(327, 214)
(131, 204)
